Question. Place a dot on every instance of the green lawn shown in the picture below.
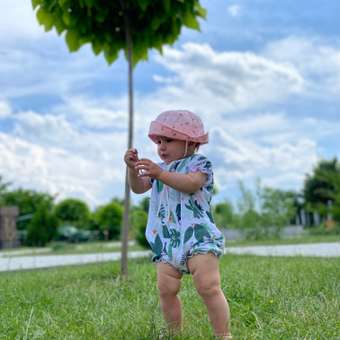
(270, 298)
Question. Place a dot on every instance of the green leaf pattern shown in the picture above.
(195, 208)
(182, 220)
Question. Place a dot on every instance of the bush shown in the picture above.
(73, 211)
(42, 228)
(139, 220)
(325, 229)
(109, 218)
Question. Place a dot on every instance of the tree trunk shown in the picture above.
(126, 219)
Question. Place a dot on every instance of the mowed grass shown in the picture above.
(270, 298)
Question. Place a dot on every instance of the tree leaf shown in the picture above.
(167, 5)
(59, 25)
(190, 21)
(143, 4)
(72, 41)
(111, 55)
(45, 18)
(96, 47)
(35, 3)
(202, 12)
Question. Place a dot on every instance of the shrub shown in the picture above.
(42, 228)
(139, 220)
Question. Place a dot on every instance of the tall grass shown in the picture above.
(270, 298)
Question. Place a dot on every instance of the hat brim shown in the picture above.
(158, 129)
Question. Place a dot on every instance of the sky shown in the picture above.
(263, 75)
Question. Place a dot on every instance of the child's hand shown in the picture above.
(145, 167)
(131, 157)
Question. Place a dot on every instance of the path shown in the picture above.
(43, 261)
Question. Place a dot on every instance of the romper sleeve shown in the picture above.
(201, 163)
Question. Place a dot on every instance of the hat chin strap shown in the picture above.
(186, 149)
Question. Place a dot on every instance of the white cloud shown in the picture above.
(102, 113)
(225, 81)
(234, 10)
(317, 61)
(5, 110)
(76, 148)
(283, 165)
(47, 152)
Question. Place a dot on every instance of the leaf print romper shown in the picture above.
(180, 225)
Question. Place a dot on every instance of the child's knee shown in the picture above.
(208, 289)
(168, 288)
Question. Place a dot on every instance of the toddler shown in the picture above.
(180, 229)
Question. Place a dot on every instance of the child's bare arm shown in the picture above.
(188, 183)
(137, 183)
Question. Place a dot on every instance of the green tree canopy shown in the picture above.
(224, 214)
(139, 220)
(144, 204)
(327, 187)
(278, 207)
(318, 188)
(73, 211)
(109, 219)
(42, 227)
(103, 23)
(28, 202)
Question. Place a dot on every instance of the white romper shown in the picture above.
(181, 225)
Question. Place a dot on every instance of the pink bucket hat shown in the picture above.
(178, 124)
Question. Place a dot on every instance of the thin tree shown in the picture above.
(134, 26)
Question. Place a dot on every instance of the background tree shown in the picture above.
(42, 227)
(144, 204)
(109, 219)
(138, 221)
(3, 189)
(134, 26)
(224, 215)
(73, 211)
(331, 175)
(318, 189)
(277, 208)
(28, 202)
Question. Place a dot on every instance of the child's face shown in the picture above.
(170, 149)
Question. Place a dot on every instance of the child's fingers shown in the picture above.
(144, 161)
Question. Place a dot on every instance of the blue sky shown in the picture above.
(263, 75)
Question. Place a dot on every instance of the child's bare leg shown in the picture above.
(206, 276)
(169, 282)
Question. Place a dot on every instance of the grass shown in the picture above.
(270, 298)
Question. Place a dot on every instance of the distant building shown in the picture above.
(8, 230)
